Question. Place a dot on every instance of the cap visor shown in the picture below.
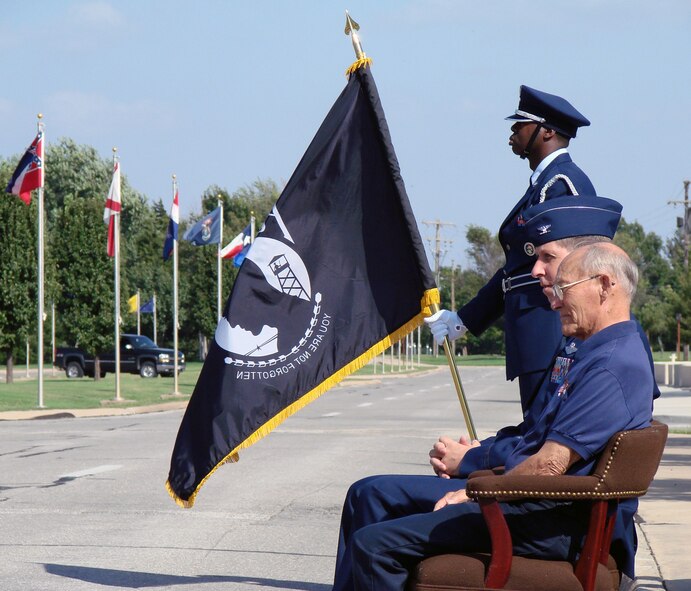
(518, 119)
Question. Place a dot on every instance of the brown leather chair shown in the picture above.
(625, 469)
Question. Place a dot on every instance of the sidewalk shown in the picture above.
(664, 514)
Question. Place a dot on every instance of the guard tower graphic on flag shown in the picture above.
(289, 283)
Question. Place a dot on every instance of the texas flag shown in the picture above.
(237, 248)
(113, 206)
(173, 223)
(29, 172)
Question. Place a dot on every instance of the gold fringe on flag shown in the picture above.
(363, 62)
(431, 296)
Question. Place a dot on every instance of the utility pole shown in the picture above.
(453, 301)
(437, 248)
(437, 252)
(684, 222)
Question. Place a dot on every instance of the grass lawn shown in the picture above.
(62, 393)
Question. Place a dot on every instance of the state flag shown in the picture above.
(29, 172)
(133, 303)
(172, 232)
(148, 307)
(113, 207)
(237, 248)
(207, 230)
(336, 275)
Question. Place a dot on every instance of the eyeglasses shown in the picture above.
(558, 290)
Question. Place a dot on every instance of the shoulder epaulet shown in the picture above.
(554, 179)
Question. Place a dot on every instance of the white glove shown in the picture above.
(445, 323)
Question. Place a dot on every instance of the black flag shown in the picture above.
(335, 276)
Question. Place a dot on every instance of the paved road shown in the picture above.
(83, 504)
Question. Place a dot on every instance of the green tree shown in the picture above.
(484, 251)
(18, 277)
(85, 274)
(652, 305)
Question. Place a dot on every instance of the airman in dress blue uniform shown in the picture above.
(542, 127)
(380, 498)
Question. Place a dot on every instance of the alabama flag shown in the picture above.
(29, 172)
(112, 208)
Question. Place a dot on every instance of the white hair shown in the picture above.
(601, 258)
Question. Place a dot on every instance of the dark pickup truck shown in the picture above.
(138, 354)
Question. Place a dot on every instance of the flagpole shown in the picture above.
(139, 321)
(219, 269)
(52, 335)
(252, 227)
(175, 299)
(40, 267)
(116, 240)
(351, 29)
(155, 337)
(455, 376)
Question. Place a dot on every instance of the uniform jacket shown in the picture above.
(532, 331)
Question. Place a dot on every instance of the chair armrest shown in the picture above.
(509, 487)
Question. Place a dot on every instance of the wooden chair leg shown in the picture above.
(502, 546)
(586, 569)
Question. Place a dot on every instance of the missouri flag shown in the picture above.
(336, 274)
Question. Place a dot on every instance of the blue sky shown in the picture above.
(225, 92)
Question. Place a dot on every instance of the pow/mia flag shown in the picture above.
(336, 274)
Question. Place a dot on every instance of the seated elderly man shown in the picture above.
(606, 388)
(552, 230)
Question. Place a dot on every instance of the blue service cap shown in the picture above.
(568, 217)
(553, 111)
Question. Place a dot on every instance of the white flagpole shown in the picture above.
(40, 268)
(139, 321)
(155, 336)
(116, 237)
(52, 335)
(175, 299)
(219, 304)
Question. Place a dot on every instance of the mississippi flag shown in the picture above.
(172, 233)
(29, 173)
(112, 208)
(237, 248)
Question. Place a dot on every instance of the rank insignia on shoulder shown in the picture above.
(529, 248)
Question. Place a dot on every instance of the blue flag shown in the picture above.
(337, 274)
(147, 308)
(207, 230)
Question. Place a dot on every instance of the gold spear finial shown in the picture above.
(40, 116)
(351, 29)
